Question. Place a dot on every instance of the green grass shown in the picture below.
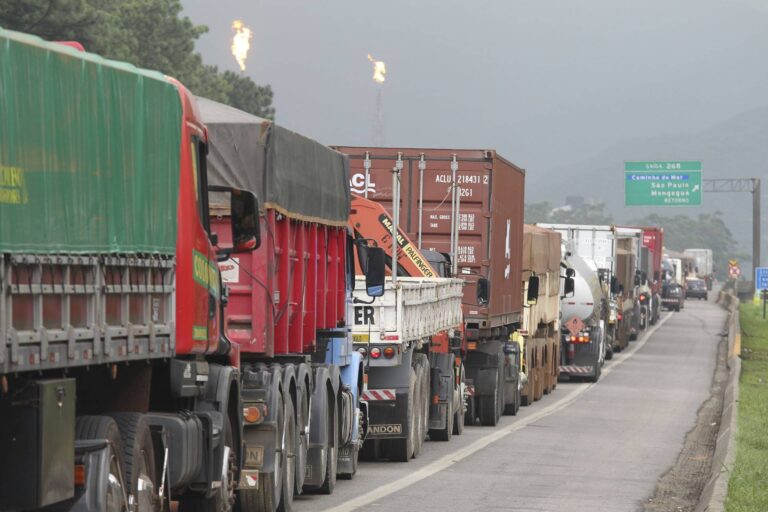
(748, 485)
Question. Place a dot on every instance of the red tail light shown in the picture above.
(375, 353)
(642, 297)
(619, 315)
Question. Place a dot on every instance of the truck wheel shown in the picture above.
(458, 415)
(302, 437)
(332, 459)
(225, 501)
(138, 456)
(489, 407)
(444, 434)
(596, 376)
(289, 447)
(421, 415)
(511, 409)
(401, 450)
(266, 496)
(104, 427)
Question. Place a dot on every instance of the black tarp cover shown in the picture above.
(289, 172)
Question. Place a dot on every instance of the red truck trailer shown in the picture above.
(115, 388)
(287, 307)
(653, 240)
(467, 204)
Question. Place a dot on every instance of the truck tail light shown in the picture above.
(80, 475)
(362, 351)
(435, 399)
(254, 413)
(375, 353)
(389, 352)
(619, 315)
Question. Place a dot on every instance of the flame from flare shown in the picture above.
(379, 70)
(241, 43)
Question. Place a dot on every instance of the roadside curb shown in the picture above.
(715, 491)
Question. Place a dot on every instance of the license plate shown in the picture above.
(361, 338)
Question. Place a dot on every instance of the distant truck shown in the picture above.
(612, 251)
(653, 242)
(672, 284)
(467, 204)
(703, 264)
(540, 331)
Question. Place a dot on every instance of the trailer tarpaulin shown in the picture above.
(289, 172)
(89, 152)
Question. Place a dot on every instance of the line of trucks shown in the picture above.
(197, 314)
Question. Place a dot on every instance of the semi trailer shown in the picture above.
(653, 242)
(116, 387)
(703, 264)
(468, 205)
(288, 307)
(540, 331)
(433, 352)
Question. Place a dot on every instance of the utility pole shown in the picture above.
(743, 185)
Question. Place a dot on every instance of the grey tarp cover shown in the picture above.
(289, 172)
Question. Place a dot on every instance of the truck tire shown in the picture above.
(104, 427)
(302, 441)
(458, 415)
(422, 404)
(266, 497)
(401, 450)
(217, 504)
(596, 376)
(512, 408)
(489, 407)
(289, 467)
(332, 460)
(138, 453)
(445, 434)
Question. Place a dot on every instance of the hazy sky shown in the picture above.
(545, 82)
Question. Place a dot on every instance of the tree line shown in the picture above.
(151, 34)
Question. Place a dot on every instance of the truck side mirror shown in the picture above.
(569, 287)
(483, 290)
(638, 278)
(374, 271)
(533, 291)
(569, 272)
(246, 232)
(615, 288)
(244, 220)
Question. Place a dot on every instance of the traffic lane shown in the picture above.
(603, 451)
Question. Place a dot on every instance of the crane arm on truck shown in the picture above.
(369, 220)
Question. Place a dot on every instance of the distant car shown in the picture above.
(696, 288)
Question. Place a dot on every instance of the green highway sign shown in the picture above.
(662, 183)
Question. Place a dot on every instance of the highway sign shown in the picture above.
(662, 183)
(761, 278)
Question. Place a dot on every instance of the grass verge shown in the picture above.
(748, 484)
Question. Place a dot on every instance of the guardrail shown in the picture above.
(713, 495)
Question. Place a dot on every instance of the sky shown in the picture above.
(544, 82)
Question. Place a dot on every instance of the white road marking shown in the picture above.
(493, 436)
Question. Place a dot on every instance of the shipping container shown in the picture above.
(480, 196)
(492, 198)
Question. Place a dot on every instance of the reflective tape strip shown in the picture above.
(577, 369)
(379, 394)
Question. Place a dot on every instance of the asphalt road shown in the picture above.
(595, 447)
